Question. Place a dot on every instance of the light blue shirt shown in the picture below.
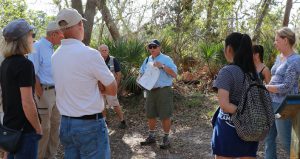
(41, 59)
(285, 76)
(164, 79)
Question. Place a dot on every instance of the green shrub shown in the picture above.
(212, 54)
(270, 51)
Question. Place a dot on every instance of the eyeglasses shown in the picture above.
(152, 46)
(33, 35)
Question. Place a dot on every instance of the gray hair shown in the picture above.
(103, 46)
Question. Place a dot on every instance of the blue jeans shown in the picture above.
(84, 139)
(282, 128)
(28, 147)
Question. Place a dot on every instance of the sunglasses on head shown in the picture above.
(152, 46)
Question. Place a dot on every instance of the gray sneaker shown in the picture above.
(165, 143)
(150, 140)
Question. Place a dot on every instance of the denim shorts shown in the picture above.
(85, 139)
(225, 140)
(28, 147)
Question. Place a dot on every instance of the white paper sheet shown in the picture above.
(150, 76)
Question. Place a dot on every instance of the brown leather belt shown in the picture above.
(87, 117)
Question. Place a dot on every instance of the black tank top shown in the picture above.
(260, 74)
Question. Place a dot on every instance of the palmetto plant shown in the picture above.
(131, 51)
(212, 54)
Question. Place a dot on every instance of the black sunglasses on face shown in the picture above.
(33, 35)
(152, 46)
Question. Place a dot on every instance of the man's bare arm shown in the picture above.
(110, 89)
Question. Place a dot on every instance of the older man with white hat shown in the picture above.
(45, 92)
(77, 71)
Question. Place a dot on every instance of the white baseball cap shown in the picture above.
(70, 16)
(52, 26)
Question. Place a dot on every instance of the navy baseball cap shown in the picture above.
(16, 29)
(154, 42)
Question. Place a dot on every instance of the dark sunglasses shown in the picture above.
(152, 46)
(33, 35)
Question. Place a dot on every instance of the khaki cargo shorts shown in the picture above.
(111, 101)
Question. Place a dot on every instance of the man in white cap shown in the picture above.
(77, 71)
(45, 92)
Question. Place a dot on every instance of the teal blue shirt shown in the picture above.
(164, 79)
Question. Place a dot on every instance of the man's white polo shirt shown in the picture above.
(76, 71)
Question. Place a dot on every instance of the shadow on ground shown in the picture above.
(190, 133)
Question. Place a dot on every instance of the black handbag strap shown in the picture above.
(1, 124)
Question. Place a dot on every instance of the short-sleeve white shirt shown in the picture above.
(76, 71)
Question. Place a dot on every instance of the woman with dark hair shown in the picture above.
(262, 70)
(225, 141)
(17, 83)
(285, 75)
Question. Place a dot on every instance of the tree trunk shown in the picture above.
(57, 3)
(101, 28)
(288, 7)
(120, 10)
(112, 27)
(237, 13)
(257, 31)
(67, 4)
(209, 17)
(89, 14)
(77, 4)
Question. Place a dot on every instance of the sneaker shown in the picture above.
(165, 144)
(122, 125)
(150, 140)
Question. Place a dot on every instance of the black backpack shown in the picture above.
(254, 115)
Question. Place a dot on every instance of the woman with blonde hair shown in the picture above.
(17, 83)
(284, 81)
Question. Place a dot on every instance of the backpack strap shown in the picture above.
(147, 60)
